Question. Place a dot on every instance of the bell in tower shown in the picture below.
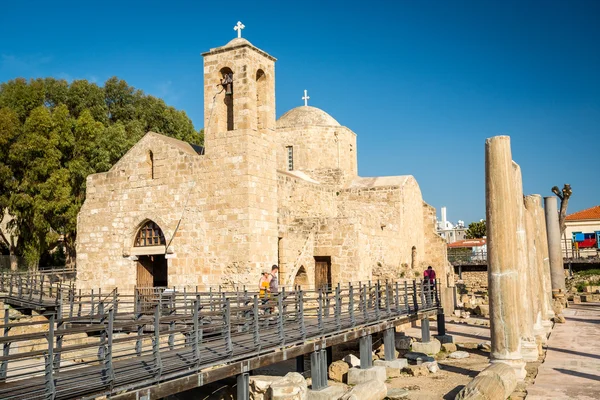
(227, 82)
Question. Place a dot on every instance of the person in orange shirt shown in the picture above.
(264, 285)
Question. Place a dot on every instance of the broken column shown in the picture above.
(502, 264)
(554, 248)
(529, 348)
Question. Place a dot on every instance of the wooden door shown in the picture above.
(322, 272)
(145, 278)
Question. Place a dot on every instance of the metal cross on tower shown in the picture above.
(238, 27)
(306, 97)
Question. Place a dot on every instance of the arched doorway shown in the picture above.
(149, 247)
(301, 278)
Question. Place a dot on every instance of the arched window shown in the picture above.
(151, 163)
(226, 112)
(149, 235)
(261, 101)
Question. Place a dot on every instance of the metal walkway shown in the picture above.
(158, 342)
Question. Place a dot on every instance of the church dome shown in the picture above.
(306, 116)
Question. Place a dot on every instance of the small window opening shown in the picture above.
(151, 164)
(290, 158)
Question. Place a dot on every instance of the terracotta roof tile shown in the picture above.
(590, 213)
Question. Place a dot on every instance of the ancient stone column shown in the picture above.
(554, 249)
(503, 275)
(529, 349)
(547, 280)
(536, 278)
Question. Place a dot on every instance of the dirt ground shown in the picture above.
(453, 375)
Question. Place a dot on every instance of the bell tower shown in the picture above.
(239, 89)
(240, 150)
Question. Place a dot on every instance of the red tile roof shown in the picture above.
(590, 213)
(467, 243)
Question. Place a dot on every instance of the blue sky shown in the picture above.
(421, 83)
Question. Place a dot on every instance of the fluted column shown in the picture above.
(503, 274)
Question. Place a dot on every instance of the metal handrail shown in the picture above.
(149, 338)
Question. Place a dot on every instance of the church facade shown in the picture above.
(261, 192)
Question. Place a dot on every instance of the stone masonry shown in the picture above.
(261, 192)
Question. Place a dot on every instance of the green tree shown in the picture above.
(53, 134)
(476, 230)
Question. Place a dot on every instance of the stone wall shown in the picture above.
(321, 152)
(233, 211)
(120, 201)
(473, 280)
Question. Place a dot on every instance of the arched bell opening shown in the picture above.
(261, 99)
(226, 109)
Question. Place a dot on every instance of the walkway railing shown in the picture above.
(89, 348)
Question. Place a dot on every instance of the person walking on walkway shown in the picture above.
(274, 284)
(429, 284)
(429, 275)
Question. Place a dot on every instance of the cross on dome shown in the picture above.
(238, 27)
(306, 97)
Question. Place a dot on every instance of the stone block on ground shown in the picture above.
(397, 394)
(259, 385)
(352, 360)
(485, 346)
(449, 347)
(482, 310)
(338, 371)
(393, 367)
(416, 370)
(444, 338)
(357, 376)
(432, 347)
(403, 342)
(432, 366)
(418, 357)
(459, 354)
(292, 386)
(368, 390)
(559, 319)
(576, 299)
(332, 392)
(482, 388)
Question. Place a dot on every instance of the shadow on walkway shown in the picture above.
(577, 353)
(595, 378)
(587, 321)
(470, 335)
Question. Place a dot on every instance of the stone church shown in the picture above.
(261, 192)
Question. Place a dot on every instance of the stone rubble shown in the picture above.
(459, 354)
(292, 386)
(338, 371)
